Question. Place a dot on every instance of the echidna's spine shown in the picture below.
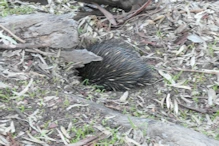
(120, 69)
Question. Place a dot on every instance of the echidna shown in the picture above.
(121, 68)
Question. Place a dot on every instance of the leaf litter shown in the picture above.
(180, 40)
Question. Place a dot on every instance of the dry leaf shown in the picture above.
(124, 96)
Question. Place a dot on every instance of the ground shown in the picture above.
(179, 40)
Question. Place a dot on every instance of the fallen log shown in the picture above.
(166, 133)
(41, 30)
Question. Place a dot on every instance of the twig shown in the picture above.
(182, 39)
(88, 141)
(23, 46)
(198, 71)
(193, 11)
(18, 111)
(16, 37)
(138, 11)
(203, 111)
(145, 15)
(107, 14)
(40, 52)
(194, 109)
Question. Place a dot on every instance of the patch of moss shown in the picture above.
(6, 10)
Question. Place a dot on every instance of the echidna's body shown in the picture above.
(120, 69)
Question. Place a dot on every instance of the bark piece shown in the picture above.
(80, 57)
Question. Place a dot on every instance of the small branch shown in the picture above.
(12, 34)
(138, 11)
(194, 109)
(108, 15)
(183, 39)
(40, 52)
(198, 71)
(22, 46)
(203, 111)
